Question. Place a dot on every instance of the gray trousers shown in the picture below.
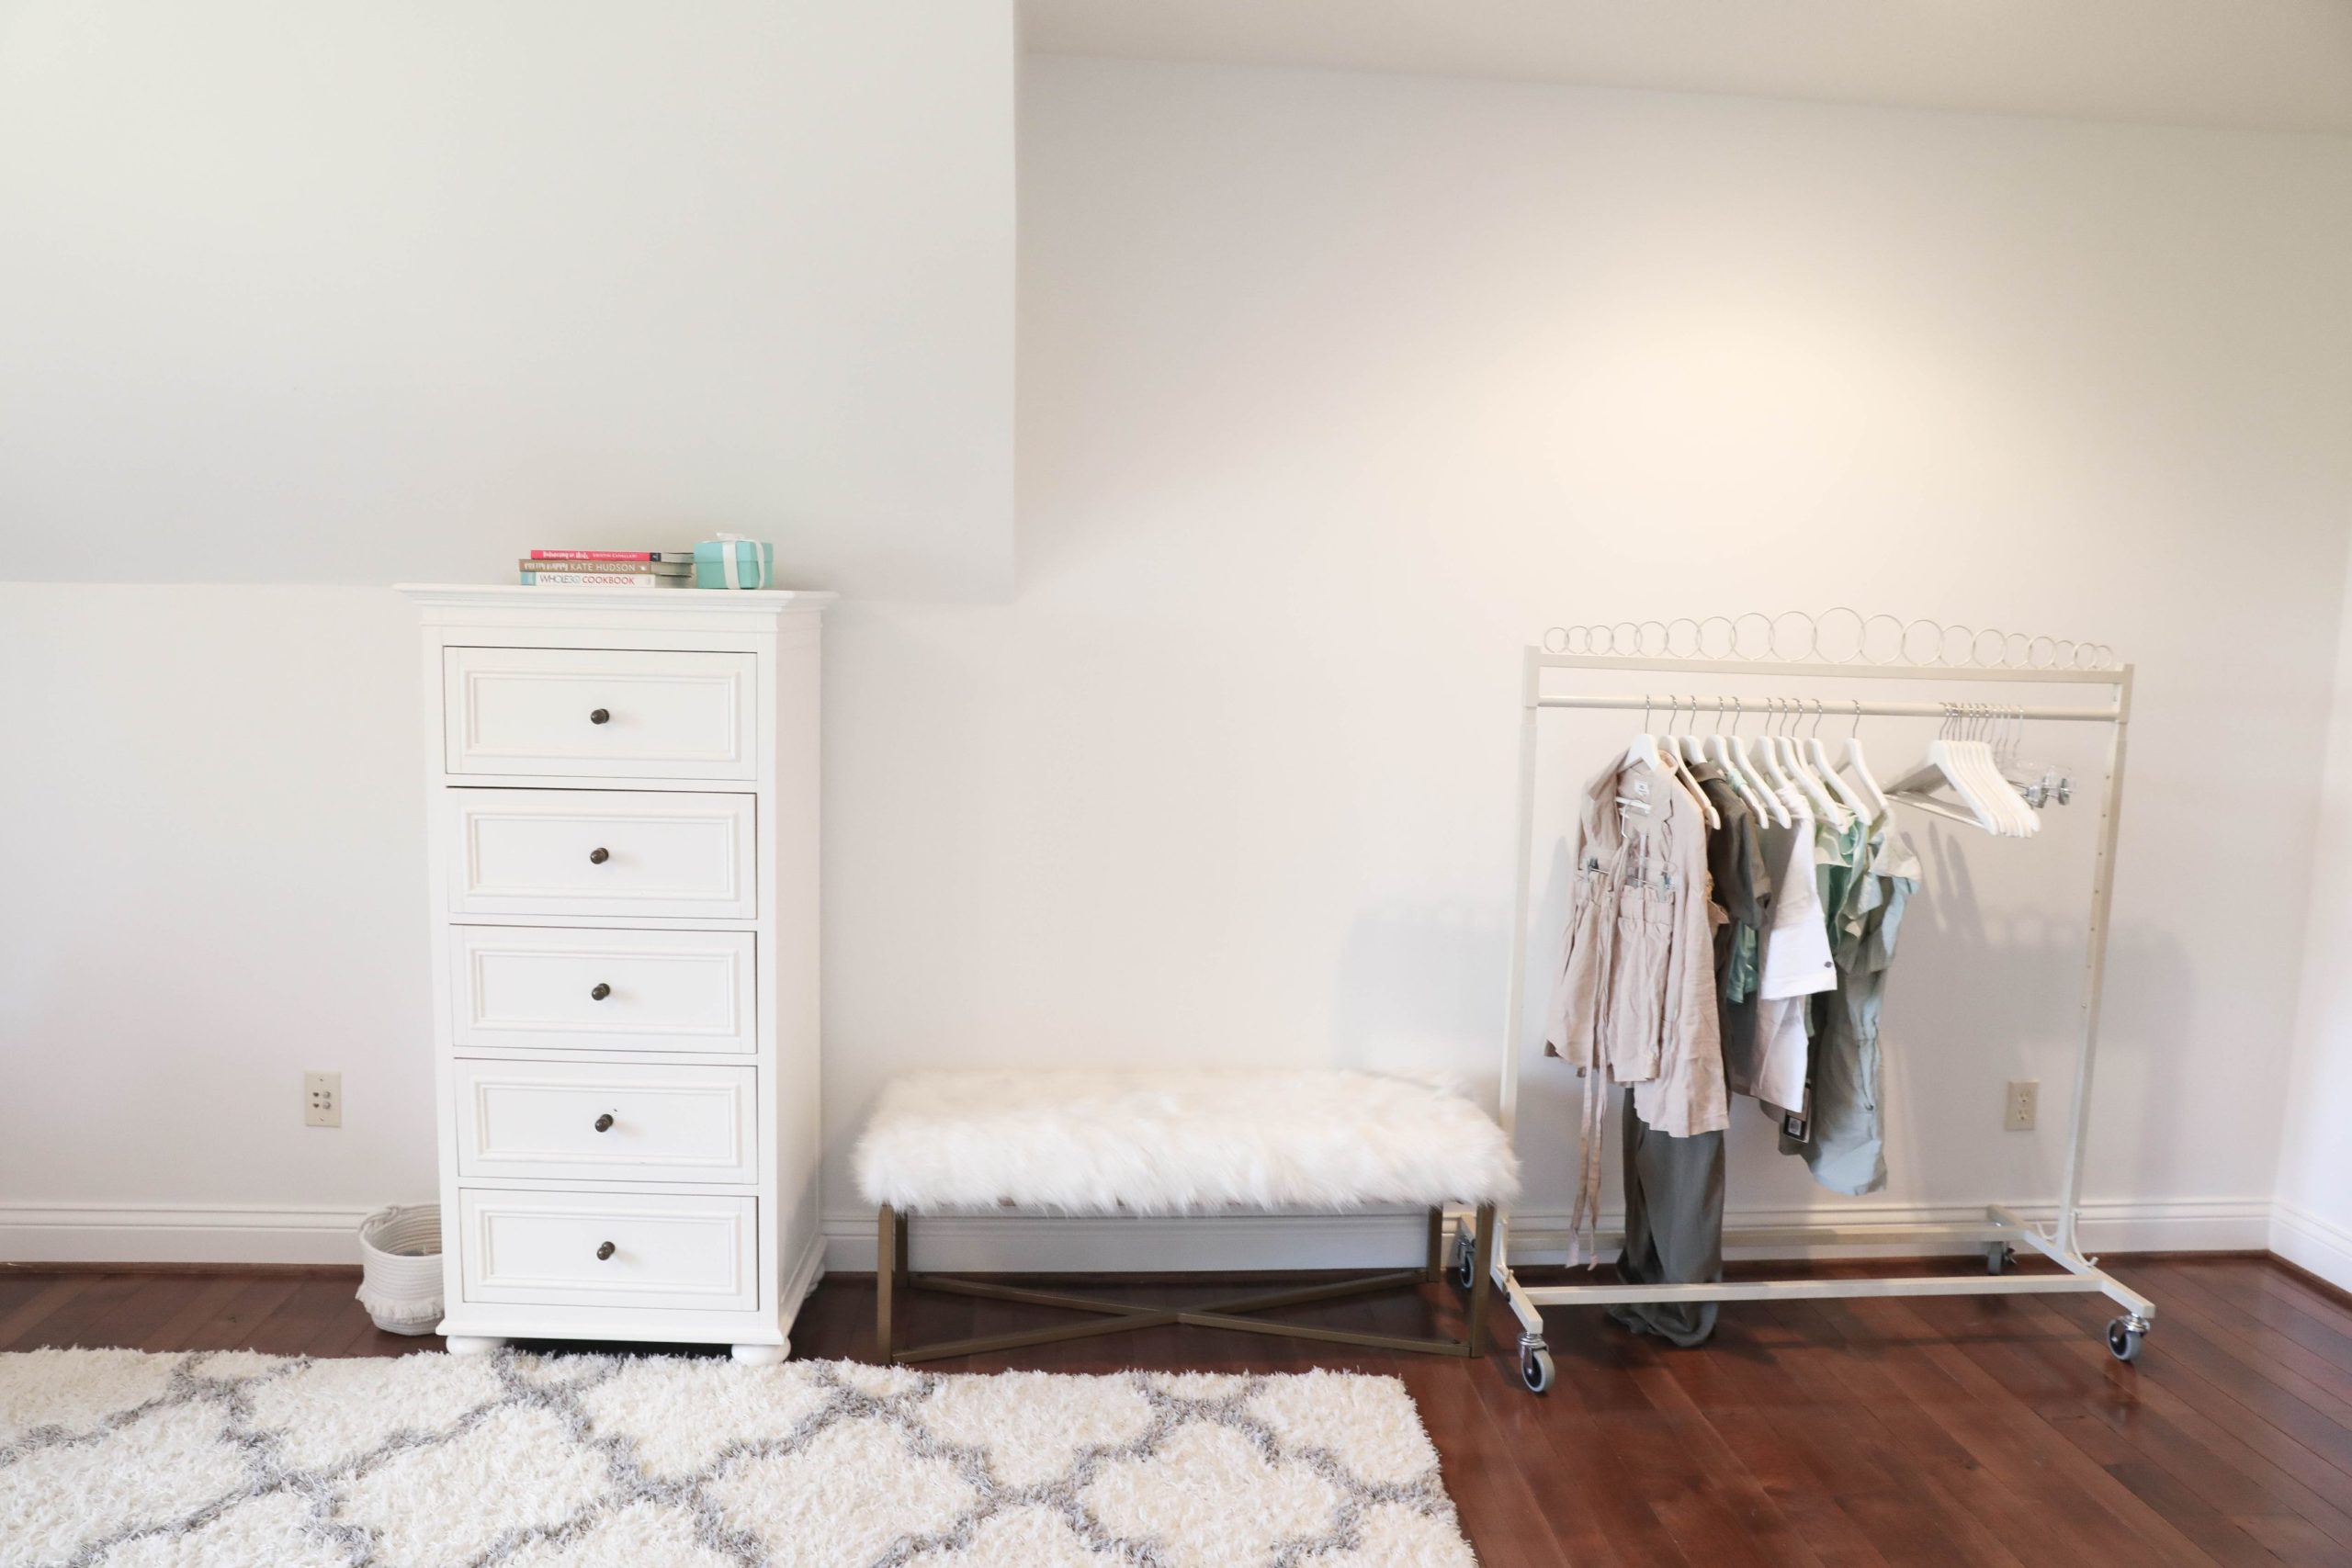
(1674, 1227)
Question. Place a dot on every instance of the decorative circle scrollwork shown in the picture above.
(1838, 635)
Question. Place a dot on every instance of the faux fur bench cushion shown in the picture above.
(1177, 1143)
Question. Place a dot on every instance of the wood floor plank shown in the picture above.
(2094, 1411)
(1754, 1406)
(142, 1308)
(2136, 1437)
(58, 1293)
(360, 1337)
(1886, 1490)
(2189, 1354)
(1722, 1471)
(18, 1287)
(2293, 1522)
(301, 1317)
(289, 1329)
(2283, 1326)
(2224, 1427)
(2329, 1306)
(2197, 1432)
(836, 1322)
(1619, 1402)
(1977, 1505)
(1513, 1512)
(1582, 1474)
(233, 1328)
(1597, 1423)
(75, 1323)
(2278, 1358)
(193, 1310)
(2061, 1469)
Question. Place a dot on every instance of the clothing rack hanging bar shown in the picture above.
(2002, 1231)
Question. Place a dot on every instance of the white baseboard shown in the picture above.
(112, 1233)
(1022, 1243)
(2310, 1242)
(1045, 1243)
(177, 1233)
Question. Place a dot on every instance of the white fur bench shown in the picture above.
(1177, 1144)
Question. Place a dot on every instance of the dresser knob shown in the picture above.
(599, 856)
(604, 1123)
(600, 716)
(604, 1250)
(598, 992)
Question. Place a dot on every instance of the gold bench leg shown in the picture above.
(1482, 1287)
(1436, 1271)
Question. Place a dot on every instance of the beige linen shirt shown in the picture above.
(1634, 998)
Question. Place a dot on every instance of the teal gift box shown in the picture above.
(732, 561)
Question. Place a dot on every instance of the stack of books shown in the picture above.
(608, 568)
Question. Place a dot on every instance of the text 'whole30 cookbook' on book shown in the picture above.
(608, 568)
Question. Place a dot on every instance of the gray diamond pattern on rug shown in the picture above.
(119, 1459)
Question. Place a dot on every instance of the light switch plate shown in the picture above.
(323, 1099)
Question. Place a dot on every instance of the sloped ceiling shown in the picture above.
(2252, 64)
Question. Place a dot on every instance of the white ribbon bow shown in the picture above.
(726, 557)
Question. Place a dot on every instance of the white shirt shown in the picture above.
(1794, 960)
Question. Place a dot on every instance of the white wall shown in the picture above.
(345, 292)
(2314, 1222)
(214, 864)
(1335, 391)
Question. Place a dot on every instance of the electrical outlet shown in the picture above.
(2025, 1099)
(321, 1100)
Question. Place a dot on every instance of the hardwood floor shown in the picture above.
(1962, 1431)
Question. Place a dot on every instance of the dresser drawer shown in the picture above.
(588, 1122)
(608, 1249)
(555, 989)
(600, 713)
(550, 851)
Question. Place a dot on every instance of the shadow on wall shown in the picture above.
(1421, 988)
(1982, 994)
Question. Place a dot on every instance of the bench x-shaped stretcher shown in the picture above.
(1121, 1317)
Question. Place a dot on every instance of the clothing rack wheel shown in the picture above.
(1998, 1257)
(1535, 1364)
(1465, 1256)
(2123, 1337)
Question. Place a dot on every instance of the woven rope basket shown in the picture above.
(400, 1260)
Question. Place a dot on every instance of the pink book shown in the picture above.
(613, 554)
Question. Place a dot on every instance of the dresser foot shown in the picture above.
(473, 1344)
(762, 1355)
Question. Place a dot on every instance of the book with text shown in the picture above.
(684, 557)
(618, 567)
(603, 579)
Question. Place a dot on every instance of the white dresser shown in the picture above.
(622, 790)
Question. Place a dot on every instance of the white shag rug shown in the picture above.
(119, 1459)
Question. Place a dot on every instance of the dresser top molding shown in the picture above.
(485, 604)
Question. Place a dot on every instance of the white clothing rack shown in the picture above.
(2002, 1228)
